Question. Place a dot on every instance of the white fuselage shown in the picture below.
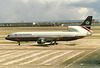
(73, 33)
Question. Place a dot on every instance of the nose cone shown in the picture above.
(6, 38)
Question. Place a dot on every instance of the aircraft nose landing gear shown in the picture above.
(19, 43)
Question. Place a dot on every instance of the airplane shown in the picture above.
(73, 33)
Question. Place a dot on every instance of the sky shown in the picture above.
(47, 10)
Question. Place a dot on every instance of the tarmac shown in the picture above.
(31, 55)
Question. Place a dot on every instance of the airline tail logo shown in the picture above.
(87, 22)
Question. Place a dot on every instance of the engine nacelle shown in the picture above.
(41, 41)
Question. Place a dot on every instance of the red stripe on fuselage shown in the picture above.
(86, 28)
(17, 39)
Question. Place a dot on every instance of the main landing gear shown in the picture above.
(53, 43)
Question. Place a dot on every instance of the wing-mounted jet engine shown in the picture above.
(41, 41)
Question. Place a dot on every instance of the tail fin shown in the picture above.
(87, 22)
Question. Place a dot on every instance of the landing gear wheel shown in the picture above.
(56, 43)
(53, 43)
(19, 43)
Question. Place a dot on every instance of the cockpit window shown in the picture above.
(8, 35)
